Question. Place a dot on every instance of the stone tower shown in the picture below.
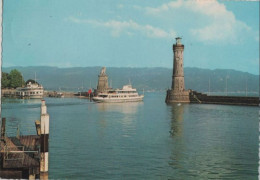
(102, 81)
(177, 93)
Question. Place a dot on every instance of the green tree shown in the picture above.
(5, 82)
(16, 79)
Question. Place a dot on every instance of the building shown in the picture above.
(177, 93)
(32, 90)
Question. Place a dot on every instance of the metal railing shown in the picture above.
(197, 98)
(19, 152)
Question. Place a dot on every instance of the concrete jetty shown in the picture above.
(200, 98)
(26, 157)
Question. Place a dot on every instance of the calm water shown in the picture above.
(147, 140)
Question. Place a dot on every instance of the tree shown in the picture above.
(16, 79)
(5, 80)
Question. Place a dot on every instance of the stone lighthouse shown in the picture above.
(177, 93)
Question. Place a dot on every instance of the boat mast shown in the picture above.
(35, 78)
(22, 80)
(246, 85)
(209, 85)
(226, 86)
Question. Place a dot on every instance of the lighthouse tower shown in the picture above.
(177, 93)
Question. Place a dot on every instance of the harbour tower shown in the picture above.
(177, 93)
(102, 81)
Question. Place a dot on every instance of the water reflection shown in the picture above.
(20, 114)
(20, 101)
(119, 115)
(176, 119)
(208, 142)
(176, 131)
(145, 140)
(125, 108)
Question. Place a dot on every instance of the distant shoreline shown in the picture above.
(80, 67)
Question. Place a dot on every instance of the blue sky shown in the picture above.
(131, 33)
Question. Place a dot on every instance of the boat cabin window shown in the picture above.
(103, 96)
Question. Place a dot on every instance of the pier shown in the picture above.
(11, 93)
(26, 157)
(200, 98)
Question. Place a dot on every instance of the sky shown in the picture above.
(131, 33)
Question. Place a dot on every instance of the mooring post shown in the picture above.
(3, 128)
(32, 174)
(44, 142)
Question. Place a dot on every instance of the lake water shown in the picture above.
(146, 140)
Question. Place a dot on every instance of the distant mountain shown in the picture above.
(71, 79)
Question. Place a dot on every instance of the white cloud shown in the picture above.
(164, 7)
(127, 27)
(216, 22)
(120, 6)
(137, 7)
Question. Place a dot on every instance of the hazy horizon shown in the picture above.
(125, 67)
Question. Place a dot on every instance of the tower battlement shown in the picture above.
(102, 81)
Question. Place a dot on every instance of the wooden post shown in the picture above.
(3, 128)
(32, 174)
(44, 142)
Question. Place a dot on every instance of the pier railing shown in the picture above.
(14, 153)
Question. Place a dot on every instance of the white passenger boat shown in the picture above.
(32, 90)
(126, 94)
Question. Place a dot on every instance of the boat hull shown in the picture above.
(30, 97)
(117, 100)
(36, 97)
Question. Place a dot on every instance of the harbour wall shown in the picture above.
(11, 93)
(196, 97)
(52, 94)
